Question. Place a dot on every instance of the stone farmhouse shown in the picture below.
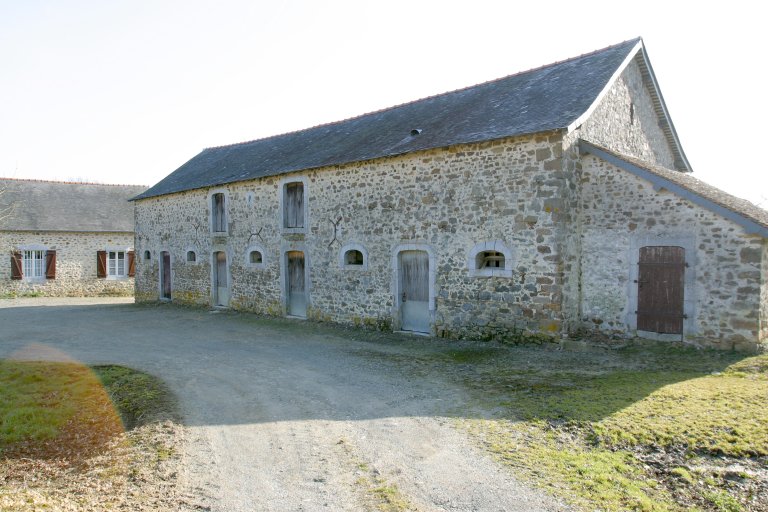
(550, 201)
(66, 239)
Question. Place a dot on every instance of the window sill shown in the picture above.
(490, 273)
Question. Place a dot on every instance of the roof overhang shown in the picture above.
(750, 227)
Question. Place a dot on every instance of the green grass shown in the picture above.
(55, 408)
(583, 430)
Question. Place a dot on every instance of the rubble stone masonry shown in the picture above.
(75, 264)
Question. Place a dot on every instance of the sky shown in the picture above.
(127, 91)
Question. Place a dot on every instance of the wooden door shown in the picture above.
(220, 278)
(296, 284)
(165, 275)
(660, 286)
(414, 291)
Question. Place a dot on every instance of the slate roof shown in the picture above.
(62, 206)
(548, 98)
(753, 218)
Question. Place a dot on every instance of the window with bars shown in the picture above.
(490, 259)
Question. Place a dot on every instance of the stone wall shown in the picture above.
(448, 200)
(621, 213)
(625, 121)
(75, 263)
(764, 296)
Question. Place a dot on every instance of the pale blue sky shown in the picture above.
(127, 91)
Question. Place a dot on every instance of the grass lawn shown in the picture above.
(654, 428)
(63, 440)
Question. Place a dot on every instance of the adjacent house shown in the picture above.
(554, 200)
(66, 239)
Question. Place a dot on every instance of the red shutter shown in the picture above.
(17, 271)
(50, 264)
(101, 264)
(131, 264)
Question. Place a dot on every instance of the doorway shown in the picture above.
(220, 282)
(660, 289)
(296, 284)
(165, 275)
(414, 291)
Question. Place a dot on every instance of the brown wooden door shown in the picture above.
(165, 274)
(660, 286)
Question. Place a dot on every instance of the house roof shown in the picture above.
(548, 98)
(752, 218)
(61, 206)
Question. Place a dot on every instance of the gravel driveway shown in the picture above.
(286, 415)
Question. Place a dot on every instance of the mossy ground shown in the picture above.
(642, 427)
(617, 437)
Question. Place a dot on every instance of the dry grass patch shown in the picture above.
(63, 445)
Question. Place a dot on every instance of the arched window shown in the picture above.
(353, 256)
(490, 259)
(147, 255)
(191, 257)
(255, 257)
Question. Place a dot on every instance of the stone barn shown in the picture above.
(66, 239)
(549, 201)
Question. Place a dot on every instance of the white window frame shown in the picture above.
(491, 246)
(353, 247)
(33, 267)
(116, 275)
(305, 203)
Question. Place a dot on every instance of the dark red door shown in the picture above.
(165, 271)
(660, 289)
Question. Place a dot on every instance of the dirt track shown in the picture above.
(286, 415)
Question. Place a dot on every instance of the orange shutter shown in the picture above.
(101, 264)
(50, 264)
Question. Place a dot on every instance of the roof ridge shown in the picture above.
(425, 98)
(72, 182)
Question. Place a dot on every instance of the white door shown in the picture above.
(297, 294)
(414, 291)
(220, 283)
